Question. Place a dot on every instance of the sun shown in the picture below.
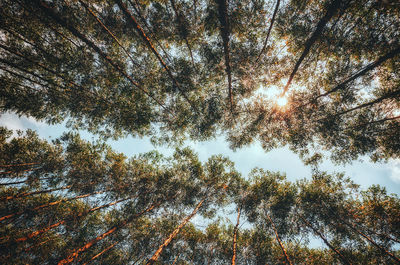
(282, 101)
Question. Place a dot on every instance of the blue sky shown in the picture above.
(362, 172)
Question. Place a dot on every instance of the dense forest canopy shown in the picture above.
(321, 76)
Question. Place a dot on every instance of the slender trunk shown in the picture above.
(23, 181)
(108, 31)
(380, 99)
(235, 231)
(48, 25)
(19, 165)
(388, 253)
(76, 252)
(48, 205)
(89, 43)
(359, 126)
(341, 257)
(175, 260)
(357, 222)
(168, 240)
(279, 240)
(137, 10)
(391, 255)
(25, 194)
(330, 12)
(269, 30)
(181, 21)
(363, 71)
(225, 32)
(102, 252)
(13, 65)
(16, 171)
(24, 77)
(13, 183)
(39, 232)
(146, 39)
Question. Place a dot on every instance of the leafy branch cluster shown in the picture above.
(176, 70)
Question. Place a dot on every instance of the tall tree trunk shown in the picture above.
(168, 240)
(146, 39)
(341, 257)
(225, 32)
(25, 194)
(76, 252)
(149, 30)
(388, 253)
(19, 165)
(48, 205)
(89, 43)
(269, 30)
(39, 232)
(181, 21)
(235, 231)
(102, 252)
(279, 240)
(362, 72)
(108, 31)
(23, 181)
(380, 99)
(330, 12)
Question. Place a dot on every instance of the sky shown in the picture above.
(362, 172)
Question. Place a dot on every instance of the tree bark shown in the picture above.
(89, 43)
(101, 253)
(225, 32)
(279, 240)
(269, 30)
(341, 257)
(39, 232)
(235, 231)
(181, 21)
(48, 204)
(168, 240)
(108, 31)
(21, 195)
(146, 39)
(76, 252)
(362, 72)
(330, 12)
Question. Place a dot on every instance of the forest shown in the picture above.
(321, 77)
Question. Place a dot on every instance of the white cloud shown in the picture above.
(14, 122)
(394, 165)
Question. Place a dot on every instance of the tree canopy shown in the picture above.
(322, 77)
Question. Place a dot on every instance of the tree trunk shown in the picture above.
(168, 240)
(391, 255)
(330, 12)
(76, 252)
(108, 31)
(102, 252)
(181, 21)
(269, 30)
(235, 231)
(38, 232)
(83, 38)
(146, 39)
(48, 204)
(18, 165)
(225, 32)
(362, 72)
(279, 240)
(341, 257)
(21, 195)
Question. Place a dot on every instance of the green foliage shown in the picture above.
(176, 70)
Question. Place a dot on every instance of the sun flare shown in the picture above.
(281, 101)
